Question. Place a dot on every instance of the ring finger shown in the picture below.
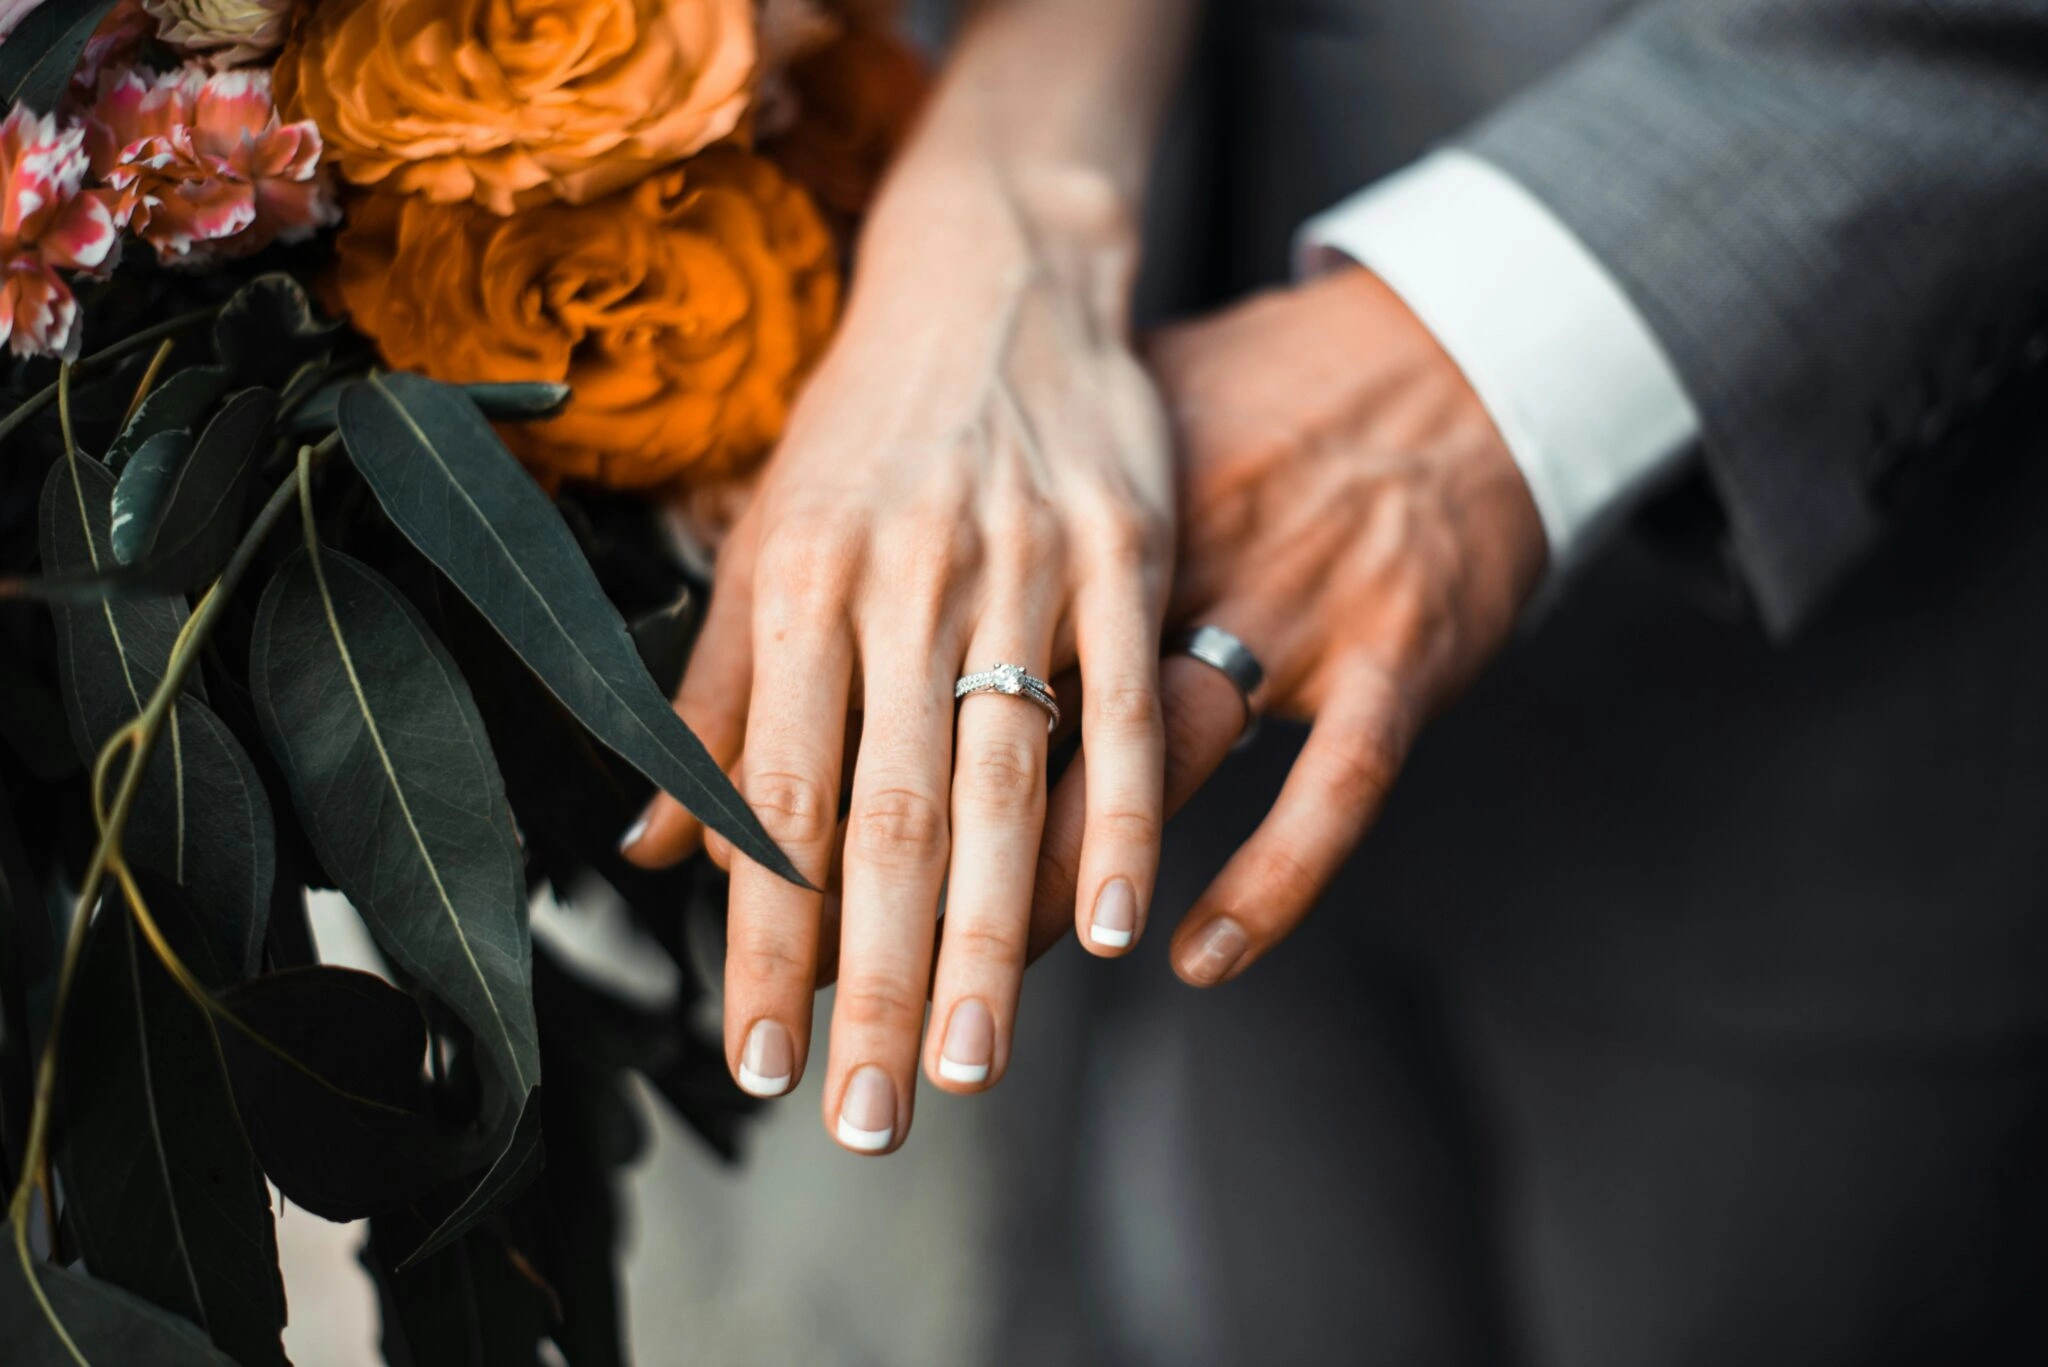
(998, 808)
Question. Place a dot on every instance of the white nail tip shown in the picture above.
(962, 1072)
(763, 1086)
(1103, 935)
(633, 834)
(867, 1141)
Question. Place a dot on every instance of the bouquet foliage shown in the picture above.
(362, 355)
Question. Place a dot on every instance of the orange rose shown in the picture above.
(855, 99)
(516, 102)
(683, 313)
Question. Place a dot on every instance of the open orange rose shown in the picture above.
(516, 102)
(683, 313)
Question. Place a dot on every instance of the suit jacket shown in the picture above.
(1776, 765)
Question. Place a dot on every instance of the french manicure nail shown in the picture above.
(634, 832)
(1216, 952)
(768, 1061)
(1116, 915)
(970, 1043)
(867, 1114)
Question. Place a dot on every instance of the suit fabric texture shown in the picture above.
(1688, 1003)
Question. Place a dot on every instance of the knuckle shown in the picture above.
(795, 808)
(870, 1003)
(1281, 878)
(989, 941)
(1361, 772)
(1126, 827)
(765, 961)
(898, 825)
(1030, 532)
(1125, 537)
(1127, 709)
(808, 549)
(1006, 773)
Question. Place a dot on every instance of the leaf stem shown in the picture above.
(139, 739)
(156, 367)
(134, 341)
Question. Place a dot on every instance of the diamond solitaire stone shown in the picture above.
(1010, 679)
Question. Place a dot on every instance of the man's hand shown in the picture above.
(1349, 511)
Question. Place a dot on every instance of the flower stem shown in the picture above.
(138, 738)
(134, 341)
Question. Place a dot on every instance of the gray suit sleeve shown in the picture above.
(1834, 215)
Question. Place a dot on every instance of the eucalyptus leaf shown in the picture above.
(519, 1163)
(334, 1100)
(201, 817)
(521, 401)
(450, 485)
(393, 778)
(314, 415)
(185, 514)
(107, 1326)
(664, 637)
(38, 58)
(166, 1200)
(144, 484)
(469, 1304)
(269, 329)
(175, 405)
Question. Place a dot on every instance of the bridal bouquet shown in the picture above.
(356, 349)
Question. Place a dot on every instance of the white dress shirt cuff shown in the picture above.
(1581, 390)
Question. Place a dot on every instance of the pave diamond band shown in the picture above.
(1013, 681)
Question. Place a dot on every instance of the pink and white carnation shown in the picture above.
(48, 223)
(200, 166)
(12, 12)
(114, 43)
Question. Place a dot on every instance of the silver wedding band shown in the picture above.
(1012, 681)
(1231, 658)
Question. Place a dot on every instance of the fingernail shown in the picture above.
(635, 831)
(970, 1043)
(1116, 915)
(768, 1060)
(1216, 952)
(867, 1115)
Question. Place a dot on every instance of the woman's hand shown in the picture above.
(977, 474)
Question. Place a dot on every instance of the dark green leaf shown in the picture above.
(140, 493)
(201, 817)
(520, 402)
(176, 405)
(268, 330)
(394, 781)
(190, 510)
(315, 415)
(664, 638)
(450, 485)
(470, 1305)
(337, 1107)
(109, 1327)
(37, 59)
(518, 1165)
(161, 1188)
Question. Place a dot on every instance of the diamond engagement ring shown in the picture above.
(1011, 680)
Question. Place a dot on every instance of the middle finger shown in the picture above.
(895, 864)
